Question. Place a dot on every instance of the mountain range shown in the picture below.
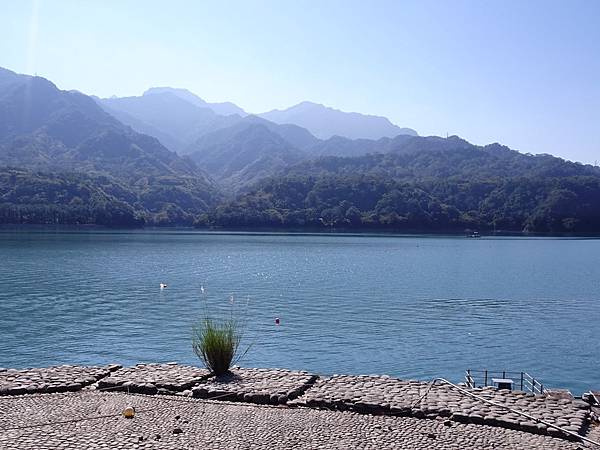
(223, 108)
(169, 157)
(180, 117)
(191, 126)
(67, 137)
(325, 122)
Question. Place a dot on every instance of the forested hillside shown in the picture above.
(64, 159)
(537, 204)
(424, 184)
(52, 139)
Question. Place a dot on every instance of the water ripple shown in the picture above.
(413, 307)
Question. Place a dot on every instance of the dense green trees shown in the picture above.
(430, 191)
(424, 184)
(28, 197)
(566, 204)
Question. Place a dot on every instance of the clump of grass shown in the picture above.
(217, 344)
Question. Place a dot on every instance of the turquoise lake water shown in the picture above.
(409, 306)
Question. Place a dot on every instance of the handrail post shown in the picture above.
(485, 382)
(533, 386)
(521, 381)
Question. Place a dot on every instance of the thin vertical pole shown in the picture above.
(485, 382)
(521, 381)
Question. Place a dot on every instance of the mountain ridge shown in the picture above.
(167, 115)
(67, 136)
(325, 122)
(244, 153)
(221, 108)
(152, 114)
(65, 159)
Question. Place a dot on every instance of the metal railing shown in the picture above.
(522, 380)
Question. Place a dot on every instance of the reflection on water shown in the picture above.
(414, 307)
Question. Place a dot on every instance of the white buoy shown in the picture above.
(163, 286)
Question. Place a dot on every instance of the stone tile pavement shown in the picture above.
(386, 395)
(51, 379)
(416, 408)
(263, 386)
(92, 420)
(154, 378)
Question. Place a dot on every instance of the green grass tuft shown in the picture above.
(217, 344)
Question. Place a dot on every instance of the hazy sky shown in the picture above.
(523, 73)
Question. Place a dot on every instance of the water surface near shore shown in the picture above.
(409, 306)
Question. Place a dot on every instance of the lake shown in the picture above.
(408, 306)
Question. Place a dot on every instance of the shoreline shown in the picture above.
(190, 230)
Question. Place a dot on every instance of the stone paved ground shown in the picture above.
(594, 430)
(184, 423)
(385, 395)
(51, 379)
(263, 386)
(377, 395)
(153, 378)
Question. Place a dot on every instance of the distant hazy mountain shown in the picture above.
(8, 77)
(66, 134)
(168, 138)
(223, 108)
(178, 119)
(325, 122)
(175, 121)
(294, 135)
(244, 153)
(42, 125)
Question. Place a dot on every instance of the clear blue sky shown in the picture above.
(523, 73)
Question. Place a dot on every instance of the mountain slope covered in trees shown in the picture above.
(424, 184)
(64, 159)
(52, 134)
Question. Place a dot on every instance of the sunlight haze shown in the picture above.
(525, 74)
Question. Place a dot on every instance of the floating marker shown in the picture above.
(163, 286)
(276, 320)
